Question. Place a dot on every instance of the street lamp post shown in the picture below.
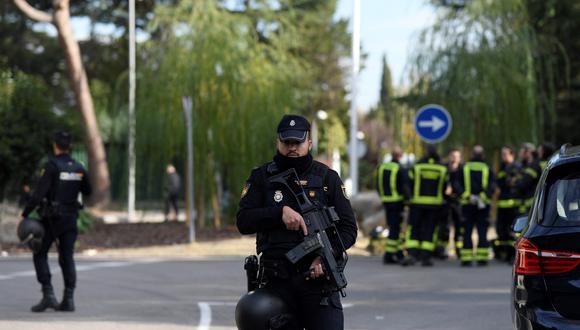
(354, 91)
(131, 147)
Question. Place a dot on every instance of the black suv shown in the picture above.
(546, 272)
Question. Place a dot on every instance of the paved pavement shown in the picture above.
(200, 293)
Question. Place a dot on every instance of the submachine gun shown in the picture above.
(320, 221)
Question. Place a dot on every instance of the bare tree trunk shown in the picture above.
(200, 208)
(98, 170)
(217, 220)
(214, 197)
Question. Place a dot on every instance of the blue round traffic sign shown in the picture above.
(433, 123)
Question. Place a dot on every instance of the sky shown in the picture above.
(387, 27)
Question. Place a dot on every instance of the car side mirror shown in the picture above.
(519, 224)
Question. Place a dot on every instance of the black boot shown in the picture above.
(48, 300)
(389, 258)
(67, 304)
(409, 260)
(426, 259)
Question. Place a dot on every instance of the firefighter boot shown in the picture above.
(389, 258)
(48, 300)
(68, 303)
(409, 260)
(426, 259)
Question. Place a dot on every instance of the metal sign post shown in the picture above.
(186, 102)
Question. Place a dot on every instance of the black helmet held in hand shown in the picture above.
(31, 231)
(263, 310)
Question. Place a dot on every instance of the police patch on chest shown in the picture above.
(278, 196)
(70, 176)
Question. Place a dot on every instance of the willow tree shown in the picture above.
(478, 63)
(239, 89)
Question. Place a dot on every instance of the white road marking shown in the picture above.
(205, 316)
(480, 291)
(82, 268)
(205, 312)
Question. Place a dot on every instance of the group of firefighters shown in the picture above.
(459, 195)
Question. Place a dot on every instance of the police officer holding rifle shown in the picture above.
(304, 223)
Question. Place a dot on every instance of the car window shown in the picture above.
(562, 207)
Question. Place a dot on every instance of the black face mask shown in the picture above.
(300, 164)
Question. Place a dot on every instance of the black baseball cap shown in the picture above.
(293, 128)
(62, 139)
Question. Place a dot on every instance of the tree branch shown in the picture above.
(33, 13)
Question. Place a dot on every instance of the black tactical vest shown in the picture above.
(64, 196)
(276, 195)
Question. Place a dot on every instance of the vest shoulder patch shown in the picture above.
(245, 189)
(343, 188)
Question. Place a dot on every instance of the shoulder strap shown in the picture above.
(271, 168)
(320, 170)
(54, 162)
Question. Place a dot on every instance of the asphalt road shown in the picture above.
(201, 294)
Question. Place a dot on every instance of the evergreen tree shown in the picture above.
(386, 93)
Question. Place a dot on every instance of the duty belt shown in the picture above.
(279, 268)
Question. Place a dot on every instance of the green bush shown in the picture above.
(84, 222)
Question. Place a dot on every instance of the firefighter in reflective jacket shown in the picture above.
(545, 151)
(507, 205)
(428, 179)
(476, 185)
(392, 185)
(528, 177)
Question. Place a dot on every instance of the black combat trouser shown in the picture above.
(478, 218)
(66, 243)
(313, 309)
(394, 214)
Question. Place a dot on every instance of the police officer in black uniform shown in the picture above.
(271, 212)
(57, 196)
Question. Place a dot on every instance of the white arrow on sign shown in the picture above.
(435, 123)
